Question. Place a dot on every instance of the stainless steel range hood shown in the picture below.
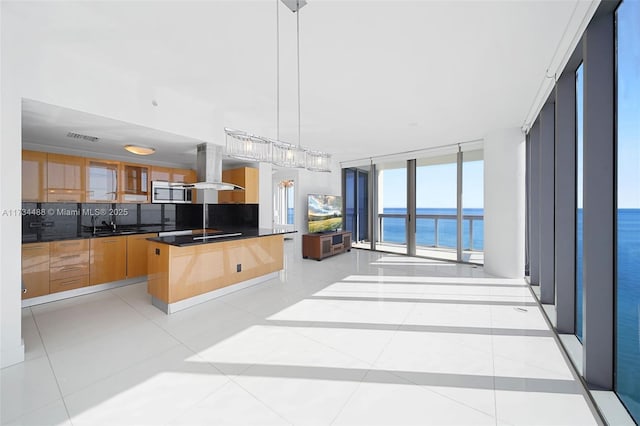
(209, 170)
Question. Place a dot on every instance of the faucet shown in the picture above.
(93, 224)
(111, 223)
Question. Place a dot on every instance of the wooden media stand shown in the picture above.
(320, 245)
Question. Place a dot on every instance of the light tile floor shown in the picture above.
(361, 338)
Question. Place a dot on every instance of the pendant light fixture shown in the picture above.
(245, 146)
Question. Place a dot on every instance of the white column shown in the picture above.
(11, 345)
(504, 203)
(265, 195)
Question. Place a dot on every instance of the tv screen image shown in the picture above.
(324, 213)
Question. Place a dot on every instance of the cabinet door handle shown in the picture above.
(69, 256)
(32, 247)
(69, 244)
(71, 268)
(109, 242)
(70, 282)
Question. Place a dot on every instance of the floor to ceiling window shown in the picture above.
(579, 179)
(473, 207)
(628, 204)
(392, 207)
(436, 207)
(356, 181)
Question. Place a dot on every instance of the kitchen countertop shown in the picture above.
(220, 236)
(83, 234)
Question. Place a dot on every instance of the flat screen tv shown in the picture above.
(324, 213)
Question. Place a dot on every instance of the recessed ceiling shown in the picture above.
(377, 77)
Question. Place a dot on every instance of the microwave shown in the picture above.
(164, 192)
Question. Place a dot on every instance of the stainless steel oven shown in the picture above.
(163, 192)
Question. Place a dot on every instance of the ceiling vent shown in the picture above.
(83, 137)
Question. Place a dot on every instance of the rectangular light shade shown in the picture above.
(317, 161)
(287, 155)
(248, 147)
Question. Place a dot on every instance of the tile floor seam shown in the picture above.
(493, 366)
(150, 320)
(429, 389)
(135, 364)
(371, 367)
(586, 394)
(263, 403)
(53, 371)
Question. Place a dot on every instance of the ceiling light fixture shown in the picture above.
(140, 150)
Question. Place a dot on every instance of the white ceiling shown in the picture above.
(377, 77)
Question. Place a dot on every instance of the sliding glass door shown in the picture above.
(356, 191)
(436, 207)
(473, 207)
(392, 207)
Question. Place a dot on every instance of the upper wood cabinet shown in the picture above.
(246, 177)
(108, 259)
(34, 176)
(160, 173)
(35, 269)
(102, 180)
(48, 177)
(65, 178)
(183, 175)
(173, 175)
(135, 183)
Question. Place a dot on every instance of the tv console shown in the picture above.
(323, 244)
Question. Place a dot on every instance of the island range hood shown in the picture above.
(209, 170)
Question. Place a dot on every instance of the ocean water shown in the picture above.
(628, 309)
(394, 229)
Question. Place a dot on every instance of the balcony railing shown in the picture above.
(436, 218)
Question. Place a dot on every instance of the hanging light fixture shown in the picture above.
(244, 146)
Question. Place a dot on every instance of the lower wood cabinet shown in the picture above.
(65, 284)
(137, 254)
(35, 269)
(107, 260)
(68, 265)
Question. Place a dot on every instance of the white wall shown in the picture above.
(504, 203)
(307, 182)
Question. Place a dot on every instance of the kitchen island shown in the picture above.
(185, 270)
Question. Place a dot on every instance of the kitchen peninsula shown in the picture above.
(185, 270)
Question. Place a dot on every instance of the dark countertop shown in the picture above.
(121, 231)
(220, 236)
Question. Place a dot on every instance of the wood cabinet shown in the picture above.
(35, 269)
(34, 176)
(68, 265)
(107, 259)
(102, 180)
(183, 175)
(137, 254)
(173, 175)
(135, 183)
(318, 246)
(246, 177)
(160, 173)
(65, 178)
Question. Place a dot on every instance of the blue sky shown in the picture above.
(436, 186)
(629, 105)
